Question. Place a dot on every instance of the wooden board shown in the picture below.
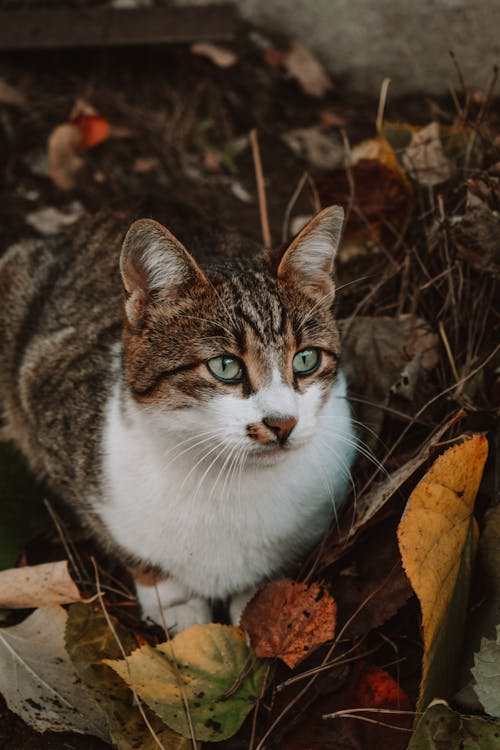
(59, 28)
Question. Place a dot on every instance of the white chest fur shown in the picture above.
(214, 524)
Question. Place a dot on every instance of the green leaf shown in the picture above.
(440, 728)
(22, 513)
(486, 672)
(209, 667)
(89, 639)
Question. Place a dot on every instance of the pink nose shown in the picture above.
(281, 426)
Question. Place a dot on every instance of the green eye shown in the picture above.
(227, 369)
(306, 361)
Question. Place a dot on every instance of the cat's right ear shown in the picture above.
(154, 266)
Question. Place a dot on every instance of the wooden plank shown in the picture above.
(60, 28)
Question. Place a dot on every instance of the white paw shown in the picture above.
(238, 603)
(182, 616)
(171, 605)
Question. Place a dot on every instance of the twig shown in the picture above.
(381, 104)
(69, 548)
(449, 353)
(261, 190)
(291, 204)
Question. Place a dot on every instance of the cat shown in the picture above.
(189, 406)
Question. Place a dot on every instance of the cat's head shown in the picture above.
(246, 358)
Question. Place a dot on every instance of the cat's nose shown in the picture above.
(281, 426)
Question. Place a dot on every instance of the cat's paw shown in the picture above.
(171, 605)
(239, 602)
(182, 616)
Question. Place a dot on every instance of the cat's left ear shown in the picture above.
(155, 266)
(309, 259)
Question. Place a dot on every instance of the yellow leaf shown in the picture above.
(437, 536)
(206, 671)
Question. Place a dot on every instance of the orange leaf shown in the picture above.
(289, 620)
(376, 689)
(94, 129)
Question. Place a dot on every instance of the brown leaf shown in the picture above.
(372, 582)
(386, 357)
(289, 620)
(304, 66)
(64, 152)
(219, 56)
(37, 586)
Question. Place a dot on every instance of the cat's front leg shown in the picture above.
(172, 605)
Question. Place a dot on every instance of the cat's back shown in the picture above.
(59, 316)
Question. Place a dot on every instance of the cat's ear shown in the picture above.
(155, 266)
(309, 259)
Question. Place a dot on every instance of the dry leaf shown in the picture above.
(38, 680)
(220, 56)
(65, 161)
(440, 728)
(376, 689)
(289, 620)
(305, 67)
(436, 538)
(386, 357)
(486, 673)
(317, 148)
(37, 585)
(94, 129)
(424, 159)
(50, 220)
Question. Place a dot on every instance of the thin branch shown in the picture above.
(261, 190)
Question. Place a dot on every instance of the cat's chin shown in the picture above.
(269, 455)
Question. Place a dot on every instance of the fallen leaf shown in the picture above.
(320, 150)
(89, 640)
(377, 689)
(376, 192)
(289, 620)
(386, 357)
(440, 728)
(437, 537)
(37, 585)
(424, 159)
(209, 666)
(486, 671)
(220, 56)
(93, 129)
(50, 220)
(64, 152)
(305, 67)
(476, 237)
(38, 681)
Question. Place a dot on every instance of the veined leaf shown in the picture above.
(437, 538)
(208, 670)
(440, 728)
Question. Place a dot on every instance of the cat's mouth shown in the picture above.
(269, 454)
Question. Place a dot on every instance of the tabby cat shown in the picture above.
(193, 413)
